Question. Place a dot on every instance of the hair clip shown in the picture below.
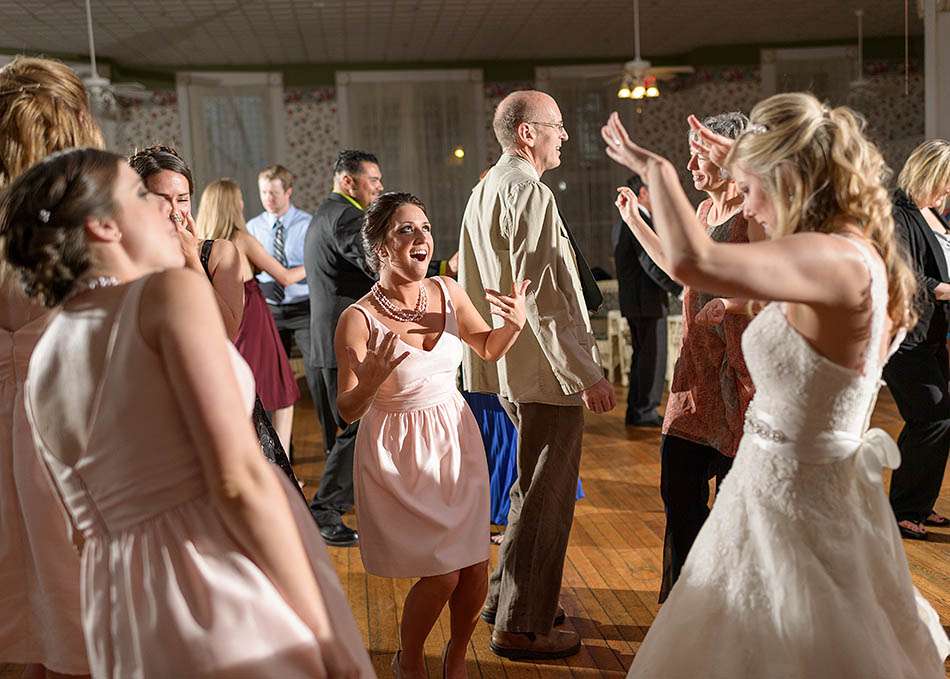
(44, 216)
(756, 128)
(21, 89)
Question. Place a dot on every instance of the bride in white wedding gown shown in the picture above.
(799, 570)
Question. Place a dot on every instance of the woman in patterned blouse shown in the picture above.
(711, 387)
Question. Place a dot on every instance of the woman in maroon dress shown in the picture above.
(221, 216)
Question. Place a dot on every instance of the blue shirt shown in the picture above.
(296, 222)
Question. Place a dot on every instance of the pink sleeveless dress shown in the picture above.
(420, 473)
(166, 589)
(40, 619)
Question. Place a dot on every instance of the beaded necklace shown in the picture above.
(394, 312)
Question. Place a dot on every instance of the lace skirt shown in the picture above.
(798, 572)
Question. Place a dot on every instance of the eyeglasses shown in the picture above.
(557, 126)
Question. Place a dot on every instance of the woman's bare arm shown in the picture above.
(179, 322)
(262, 261)
(808, 268)
(489, 343)
(627, 206)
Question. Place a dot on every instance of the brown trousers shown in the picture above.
(525, 586)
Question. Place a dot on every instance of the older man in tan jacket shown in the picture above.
(512, 231)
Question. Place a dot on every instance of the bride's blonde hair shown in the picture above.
(823, 174)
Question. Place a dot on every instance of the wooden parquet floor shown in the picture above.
(613, 566)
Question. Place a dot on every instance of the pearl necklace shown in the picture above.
(86, 284)
(402, 315)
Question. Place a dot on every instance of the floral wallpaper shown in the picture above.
(155, 121)
(312, 142)
(895, 121)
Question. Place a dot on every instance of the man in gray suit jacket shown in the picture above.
(512, 231)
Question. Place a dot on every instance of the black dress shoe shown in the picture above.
(339, 535)
(653, 420)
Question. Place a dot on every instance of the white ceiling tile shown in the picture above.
(163, 32)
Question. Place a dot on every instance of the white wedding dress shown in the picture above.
(799, 571)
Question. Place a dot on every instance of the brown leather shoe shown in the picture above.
(530, 646)
(489, 614)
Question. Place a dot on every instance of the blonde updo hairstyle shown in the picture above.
(823, 175)
(220, 214)
(926, 174)
(44, 108)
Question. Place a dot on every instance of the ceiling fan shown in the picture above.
(639, 77)
(103, 93)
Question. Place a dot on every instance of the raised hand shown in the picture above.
(706, 143)
(185, 226)
(509, 307)
(627, 207)
(621, 149)
(712, 313)
(379, 361)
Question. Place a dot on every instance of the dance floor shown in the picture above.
(613, 566)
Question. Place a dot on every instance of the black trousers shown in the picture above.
(293, 326)
(648, 368)
(334, 497)
(918, 379)
(685, 470)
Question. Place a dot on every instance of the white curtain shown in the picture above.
(232, 126)
(585, 184)
(427, 129)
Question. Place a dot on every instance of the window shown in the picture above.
(585, 184)
(232, 126)
(427, 129)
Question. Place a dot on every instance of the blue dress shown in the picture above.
(501, 447)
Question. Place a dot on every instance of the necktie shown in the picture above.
(280, 256)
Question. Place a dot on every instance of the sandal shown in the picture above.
(935, 519)
(911, 530)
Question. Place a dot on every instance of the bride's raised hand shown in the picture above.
(379, 361)
(705, 142)
(621, 149)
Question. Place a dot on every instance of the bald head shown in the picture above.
(517, 108)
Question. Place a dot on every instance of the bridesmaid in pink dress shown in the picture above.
(43, 108)
(199, 559)
(420, 474)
